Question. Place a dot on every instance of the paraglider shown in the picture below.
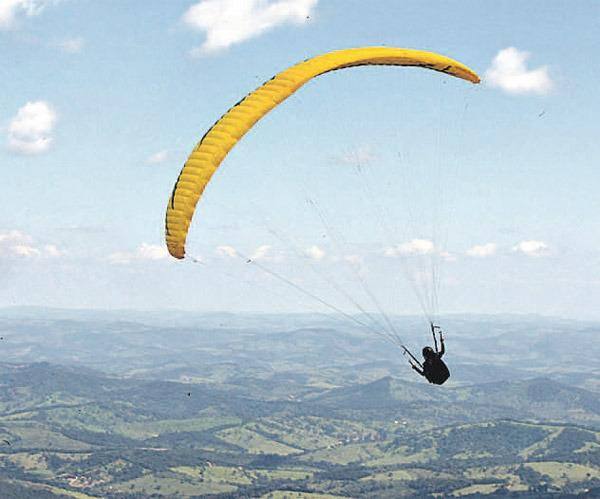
(216, 143)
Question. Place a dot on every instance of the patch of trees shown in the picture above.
(502, 438)
(571, 439)
(12, 489)
(345, 473)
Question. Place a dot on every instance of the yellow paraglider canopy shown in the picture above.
(231, 127)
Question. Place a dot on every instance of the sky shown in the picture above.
(359, 186)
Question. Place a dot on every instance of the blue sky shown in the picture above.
(102, 102)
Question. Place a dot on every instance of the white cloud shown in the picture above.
(314, 253)
(152, 252)
(227, 22)
(15, 243)
(531, 248)
(413, 247)
(482, 250)
(52, 251)
(143, 252)
(15, 236)
(71, 45)
(24, 250)
(8, 12)
(228, 251)
(510, 73)
(11, 10)
(29, 132)
(158, 157)
(261, 252)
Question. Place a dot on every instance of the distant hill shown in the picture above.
(387, 398)
(222, 347)
(537, 399)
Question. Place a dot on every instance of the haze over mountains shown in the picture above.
(171, 344)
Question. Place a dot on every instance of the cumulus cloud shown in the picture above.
(144, 252)
(29, 132)
(152, 252)
(228, 251)
(15, 243)
(261, 252)
(11, 10)
(482, 250)
(24, 250)
(14, 236)
(509, 72)
(158, 157)
(314, 253)
(531, 248)
(413, 247)
(227, 22)
(52, 251)
(71, 45)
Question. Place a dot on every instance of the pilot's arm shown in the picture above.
(443, 348)
(420, 371)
